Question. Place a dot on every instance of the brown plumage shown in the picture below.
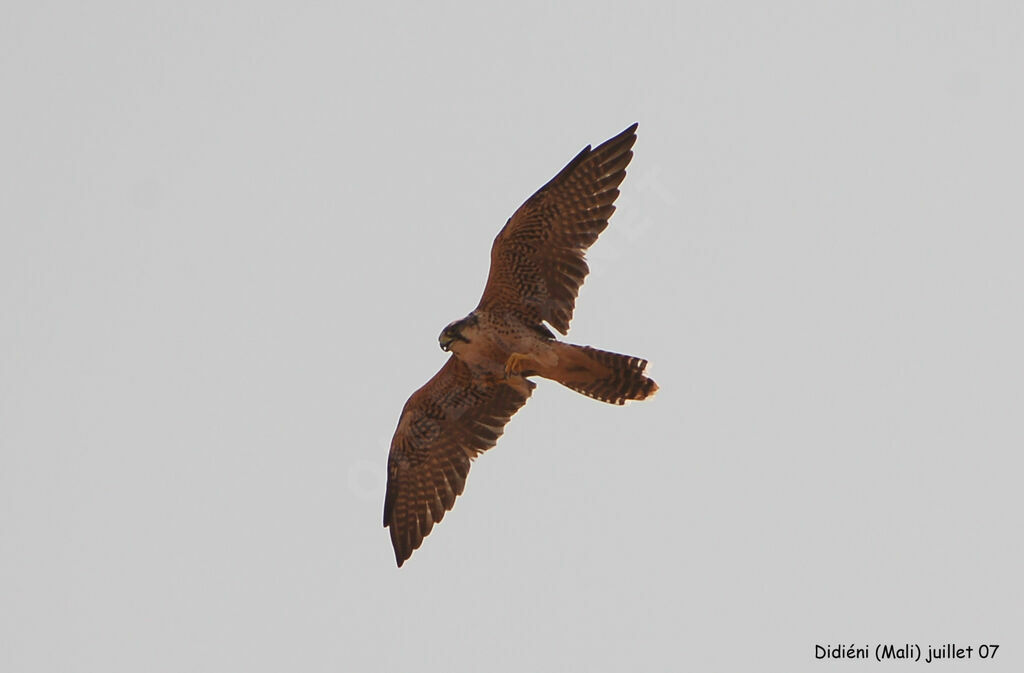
(537, 268)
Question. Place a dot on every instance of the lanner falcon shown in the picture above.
(537, 268)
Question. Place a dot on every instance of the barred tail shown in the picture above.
(605, 376)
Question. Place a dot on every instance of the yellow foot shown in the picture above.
(514, 364)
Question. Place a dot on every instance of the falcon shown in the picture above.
(537, 268)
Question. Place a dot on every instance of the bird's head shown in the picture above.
(456, 332)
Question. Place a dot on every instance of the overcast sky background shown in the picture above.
(229, 238)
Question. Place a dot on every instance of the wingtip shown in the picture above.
(620, 143)
(629, 130)
(401, 555)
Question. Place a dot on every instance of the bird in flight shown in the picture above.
(537, 268)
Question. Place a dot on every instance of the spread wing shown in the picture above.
(537, 260)
(444, 425)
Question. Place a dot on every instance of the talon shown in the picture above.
(513, 366)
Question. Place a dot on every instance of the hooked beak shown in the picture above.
(446, 343)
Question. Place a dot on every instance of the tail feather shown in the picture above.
(609, 377)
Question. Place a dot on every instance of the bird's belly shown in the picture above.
(492, 342)
(485, 355)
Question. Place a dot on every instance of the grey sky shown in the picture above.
(229, 238)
